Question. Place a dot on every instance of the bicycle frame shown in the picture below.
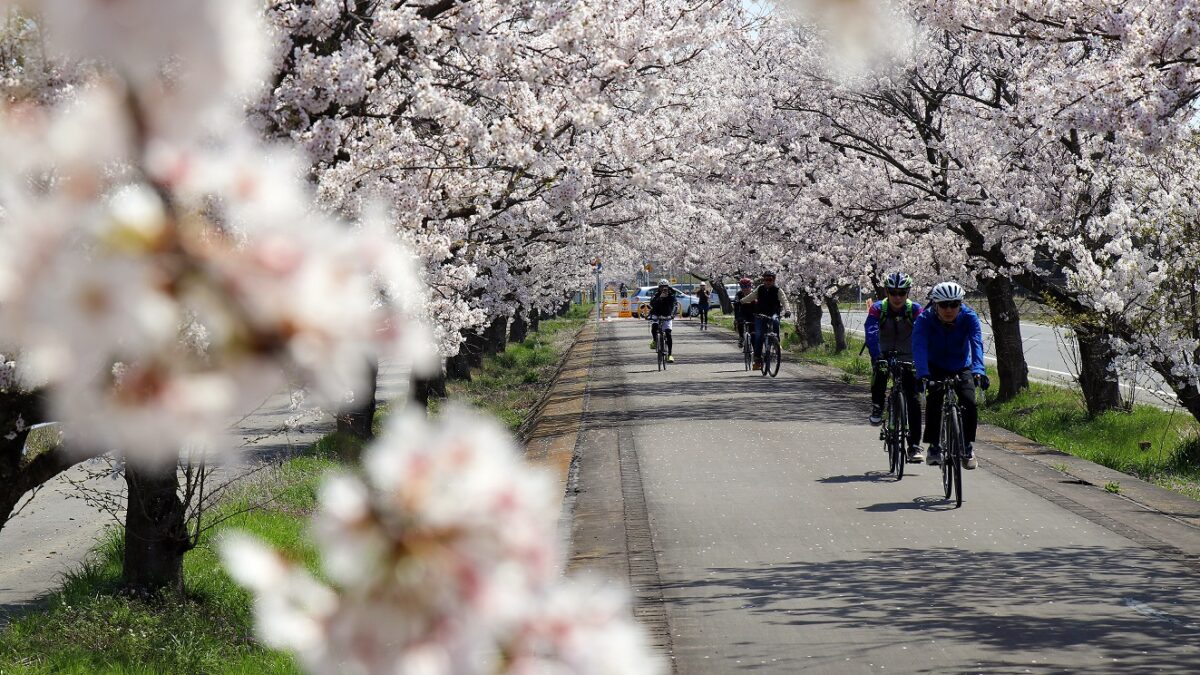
(895, 431)
(953, 443)
(660, 342)
(771, 351)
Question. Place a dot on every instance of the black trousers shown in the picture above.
(965, 386)
(666, 334)
(908, 384)
(704, 313)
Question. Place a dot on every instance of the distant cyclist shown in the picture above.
(703, 302)
(769, 301)
(664, 306)
(889, 329)
(743, 312)
(948, 342)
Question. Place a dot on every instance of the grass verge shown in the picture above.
(89, 626)
(1156, 445)
(510, 383)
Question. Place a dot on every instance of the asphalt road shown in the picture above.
(1048, 352)
(53, 534)
(761, 532)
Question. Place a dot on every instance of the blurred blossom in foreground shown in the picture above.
(861, 35)
(162, 270)
(442, 560)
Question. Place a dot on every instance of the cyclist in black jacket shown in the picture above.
(770, 301)
(743, 313)
(663, 306)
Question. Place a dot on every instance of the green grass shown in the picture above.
(510, 383)
(1056, 416)
(89, 626)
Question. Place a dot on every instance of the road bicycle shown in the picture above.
(772, 354)
(747, 347)
(953, 443)
(894, 432)
(660, 342)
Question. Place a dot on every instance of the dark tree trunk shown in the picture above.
(458, 367)
(1097, 378)
(518, 330)
(723, 295)
(156, 535)
(426, 388)
(808, 323)
(839, 328)
(473, 347)
(1006, 334)
(355, 420)
(535, 319)
(496, 336)
(564, 308)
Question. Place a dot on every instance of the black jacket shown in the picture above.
(744, 312)
(664, 306)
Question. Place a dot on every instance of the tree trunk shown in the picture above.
(156, 534)
(356, 419)
(1006, 334)
(1097, 378)
(458, 367)
(426, 388)
(564, 308)
(473, 348)
(723, 296)
(808, 323)
(535, 319)
(496, 336)
(518, 330)
(839, 328)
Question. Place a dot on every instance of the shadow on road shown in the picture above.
(1061, 602)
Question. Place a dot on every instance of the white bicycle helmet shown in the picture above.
(663, 282)
(947, 291)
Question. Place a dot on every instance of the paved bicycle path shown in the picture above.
(759, 531)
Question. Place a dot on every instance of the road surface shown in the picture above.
(757, 526)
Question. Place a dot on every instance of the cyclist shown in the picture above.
(889, 328)
(664, 306)
(947, 342)
(743, 313)
(769, 300)
(703, 302)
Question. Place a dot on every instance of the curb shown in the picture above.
(551, 432)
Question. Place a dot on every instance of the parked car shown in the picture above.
(687, 303)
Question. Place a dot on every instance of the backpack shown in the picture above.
(908, 310)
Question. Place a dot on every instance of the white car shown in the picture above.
(641, 300)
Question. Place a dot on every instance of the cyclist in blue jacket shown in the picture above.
(948, 342)
(889, 329)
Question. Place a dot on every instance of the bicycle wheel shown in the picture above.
(772, 366)
(747, 353)
(766, 356)
(896, 431)
(953, 441)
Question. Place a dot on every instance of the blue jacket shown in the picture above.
(895, 335)
(951, 349)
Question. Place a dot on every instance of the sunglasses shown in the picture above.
(898, 291)
(950, 304)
